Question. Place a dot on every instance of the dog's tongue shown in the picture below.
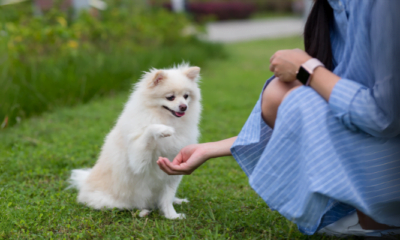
(180, 114)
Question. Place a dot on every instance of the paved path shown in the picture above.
(245, 30)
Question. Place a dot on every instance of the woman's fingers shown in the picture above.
(276, 54)
(187, 160)
(272, 67)
(178, 159)
(272, 57)
(171, 168)
(272, 62)
(163, 164)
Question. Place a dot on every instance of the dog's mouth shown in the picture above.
(176, 114)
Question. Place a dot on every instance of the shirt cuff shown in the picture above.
(341, 99)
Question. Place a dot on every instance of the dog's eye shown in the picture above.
(186, 96)
(171, 98)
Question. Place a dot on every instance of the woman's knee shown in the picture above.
(272, 98)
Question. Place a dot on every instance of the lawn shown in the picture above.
(37, 156)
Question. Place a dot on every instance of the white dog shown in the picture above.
(160, 117)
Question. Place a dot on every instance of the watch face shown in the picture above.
(303, 75)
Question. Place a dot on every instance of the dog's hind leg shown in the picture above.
(144, 212)
(180, 200)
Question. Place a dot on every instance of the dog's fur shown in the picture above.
(126, 175)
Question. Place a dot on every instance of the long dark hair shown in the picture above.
(317, 40)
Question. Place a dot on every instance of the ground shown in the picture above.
(37, 156)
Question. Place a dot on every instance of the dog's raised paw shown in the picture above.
(161, 131)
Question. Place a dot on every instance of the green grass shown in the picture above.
(36, 158)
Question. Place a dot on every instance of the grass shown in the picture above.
(36, 158)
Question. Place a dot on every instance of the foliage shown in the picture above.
(59, 59)
(221, 10)
(260, 5)
(36, 159)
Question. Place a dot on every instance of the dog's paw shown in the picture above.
(176, 216)
(144, 213)
(161, 131)
(180, 200)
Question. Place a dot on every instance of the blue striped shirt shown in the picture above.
(324, 159)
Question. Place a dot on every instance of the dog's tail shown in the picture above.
(78, 177)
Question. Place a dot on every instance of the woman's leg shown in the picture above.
(273, 95)
(368, 223)
(272, 98)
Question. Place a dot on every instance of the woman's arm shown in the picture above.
(376, 109)
(192, 156)
(285, 64)
(323, 81)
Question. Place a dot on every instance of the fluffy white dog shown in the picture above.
(160, 117)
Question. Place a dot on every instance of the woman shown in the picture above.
(326, 155)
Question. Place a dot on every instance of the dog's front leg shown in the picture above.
(166, 201)
(141, 145)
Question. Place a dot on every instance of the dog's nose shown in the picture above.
(182, 107)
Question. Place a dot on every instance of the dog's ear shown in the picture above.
(192, 73)
(158, 77)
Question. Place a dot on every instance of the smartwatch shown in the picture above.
(307, 69)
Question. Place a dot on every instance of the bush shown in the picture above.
(52, 61)
(218, 10)
(259, 5)
(221, 10)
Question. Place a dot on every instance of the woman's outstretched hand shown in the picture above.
(187, 160)
(192, 156)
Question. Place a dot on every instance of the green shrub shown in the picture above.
(53, 61)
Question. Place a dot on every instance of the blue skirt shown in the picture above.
(314, 170)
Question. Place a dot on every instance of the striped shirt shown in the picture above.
(324, 159)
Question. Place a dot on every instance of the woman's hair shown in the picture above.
(317, 40)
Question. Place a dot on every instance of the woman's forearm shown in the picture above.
(323, 81)
(285, 63)
(220, 148)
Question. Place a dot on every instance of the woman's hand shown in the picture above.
(286, 63)
(192, 156)
(187, 160)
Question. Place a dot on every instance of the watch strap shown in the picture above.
(310, 67)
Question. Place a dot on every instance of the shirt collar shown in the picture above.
(337, 5)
